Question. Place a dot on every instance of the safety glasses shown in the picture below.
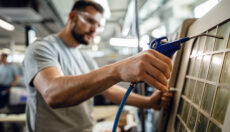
(89, 20)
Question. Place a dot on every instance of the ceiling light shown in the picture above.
(149, 24)
(6, 25)
(123, 42)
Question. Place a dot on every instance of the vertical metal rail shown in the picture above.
(137, 25)
(141, 87)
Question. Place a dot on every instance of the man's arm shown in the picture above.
(15, 82)
(116, 94)
(60, 91)
(156, 101)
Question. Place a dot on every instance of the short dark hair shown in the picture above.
(82, 4)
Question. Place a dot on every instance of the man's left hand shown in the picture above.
(160, 100)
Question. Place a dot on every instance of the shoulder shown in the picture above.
(47, 42)
(42, 44)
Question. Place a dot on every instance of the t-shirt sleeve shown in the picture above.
(40, 55)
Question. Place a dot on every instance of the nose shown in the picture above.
(94, 28)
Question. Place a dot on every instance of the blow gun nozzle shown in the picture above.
(208, 35)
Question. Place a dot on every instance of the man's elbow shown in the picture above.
(51, 100)
(56, 101)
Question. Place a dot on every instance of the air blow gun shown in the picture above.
(167, 49)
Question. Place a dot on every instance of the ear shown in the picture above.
(72, 16)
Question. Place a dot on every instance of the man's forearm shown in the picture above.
(116, 94)
(65, 91)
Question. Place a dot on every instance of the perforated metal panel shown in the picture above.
(206, 92)
(203, 81)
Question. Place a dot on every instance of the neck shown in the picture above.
(5, 63)
(68, 38)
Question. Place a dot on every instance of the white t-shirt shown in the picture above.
(52, 52)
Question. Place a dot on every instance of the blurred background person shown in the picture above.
(8, 78)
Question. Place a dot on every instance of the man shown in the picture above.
(61, 79)
(8, 77)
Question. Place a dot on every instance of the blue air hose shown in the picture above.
(132, 85)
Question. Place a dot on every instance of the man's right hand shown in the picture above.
(149, 66)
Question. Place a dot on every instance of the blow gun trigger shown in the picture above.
(158, 42)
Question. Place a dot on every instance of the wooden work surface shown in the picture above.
(13, 118)
(105, 113)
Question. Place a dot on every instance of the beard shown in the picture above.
(79, 37)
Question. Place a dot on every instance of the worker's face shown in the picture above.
(86, 25)
(3, 57)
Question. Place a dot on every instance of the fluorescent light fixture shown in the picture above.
(203, 8)
(149, 24)
(123, 42)
(6, 25)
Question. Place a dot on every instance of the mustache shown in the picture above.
(90, 33)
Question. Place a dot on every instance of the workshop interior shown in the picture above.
(196, 38)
